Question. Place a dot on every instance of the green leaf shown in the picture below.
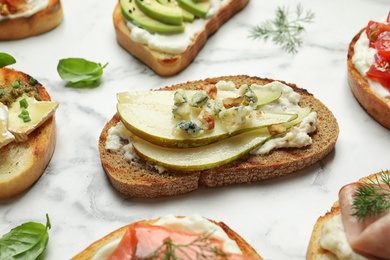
(27, 241)
(80, 73)
(6, 59)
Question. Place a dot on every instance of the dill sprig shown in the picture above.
(284, 32)
(371, 199)
(201, 246)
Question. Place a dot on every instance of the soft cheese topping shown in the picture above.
(174, 43)
(5, 136)
(194, 223)
(333, 238)
(363, 58)
(28, 9)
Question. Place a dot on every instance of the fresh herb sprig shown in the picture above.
(80, 73)
(284, 31)
(6, 59)
(201, 246)
(27, 241)
(372, 198)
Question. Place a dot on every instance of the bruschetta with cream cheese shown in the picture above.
(168, 35)
(358, 225)
(176, 237)
(214, 132)
(27, 131)
(24, 18)
(368, 69)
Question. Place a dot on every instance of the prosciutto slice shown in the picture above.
(371, 237)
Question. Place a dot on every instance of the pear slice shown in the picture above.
(200, 158)
(149, 116)
(209, 156)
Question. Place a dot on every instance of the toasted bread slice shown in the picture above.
(246, 249)
(165, 64)
(315, 251)
(376, 106)
(137, 180)
(38, 23)
(22, 163)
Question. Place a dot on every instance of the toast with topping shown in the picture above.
(27, 131)
(160, 61)
(15, 25)
(329, 239)
(182, 231)
(138, 178)
(376, 105)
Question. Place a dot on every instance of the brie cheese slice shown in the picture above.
(37, 111)
(5, 136)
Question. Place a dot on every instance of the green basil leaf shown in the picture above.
(80, 73)
(6, 59)
(27, 241)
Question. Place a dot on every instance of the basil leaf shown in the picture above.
(6, 59)
(27, 241)
(80, 73)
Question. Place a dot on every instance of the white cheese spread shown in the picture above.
(363, 58)
(175, 43)
(334, 239)
(32, 7)
(194, 223)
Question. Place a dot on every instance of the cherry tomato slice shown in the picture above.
(374, 29)
(380, 71)
(382, 45)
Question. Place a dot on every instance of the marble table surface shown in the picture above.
(276, 216)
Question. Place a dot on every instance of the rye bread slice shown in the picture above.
(136, 179)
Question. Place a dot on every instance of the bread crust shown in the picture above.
(39, 23)
(91, 250)
(136, 180)
(165, 64)
(314, 250)
(375, 105)
(22, 163)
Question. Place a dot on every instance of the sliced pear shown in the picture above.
(38, 112)
(149, 116)
(209, 156)
(200, 158)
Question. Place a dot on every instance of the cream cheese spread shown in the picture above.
(194, 223)
(32, 7)
(175, 43)
(334, 239)
(363, 58)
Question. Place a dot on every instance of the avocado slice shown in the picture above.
(199, 9)
(131, 12)
(159, 12)
(187, 16)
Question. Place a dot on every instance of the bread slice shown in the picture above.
(165, 64)
(137, 180)
(315, 251)
(90, 251)
(39, 23)
(22, 163)
(375, 105)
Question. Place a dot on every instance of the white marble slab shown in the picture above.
(277, 216)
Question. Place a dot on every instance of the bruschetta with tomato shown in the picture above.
(176, 237)
(25, 18)
(369, 69)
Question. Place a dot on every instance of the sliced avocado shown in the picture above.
(131, 12)
(199, 9)
(187, 16)
(159, 12)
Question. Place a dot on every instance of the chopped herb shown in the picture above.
(25, 115)
(372, 198)
(15, 84)
(282, 30)
(23, 103)
(32, 81)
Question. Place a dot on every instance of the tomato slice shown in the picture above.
(374, 29)
(380, 71)
(382, 45)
